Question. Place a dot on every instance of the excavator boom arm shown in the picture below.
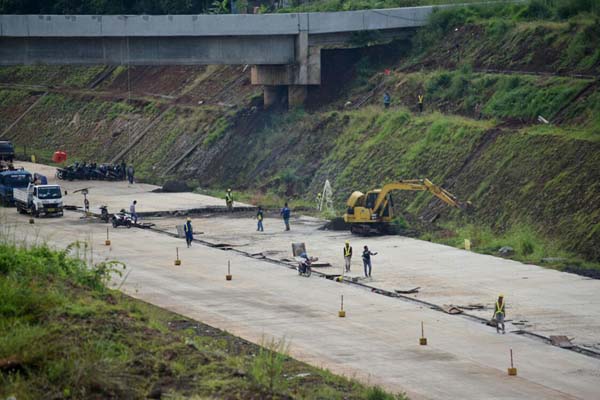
(417, 185)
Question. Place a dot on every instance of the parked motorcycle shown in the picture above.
(91, 171)
(122, 219)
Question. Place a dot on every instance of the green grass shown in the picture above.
(551, 10)
(529, 245)
(499, 96)
(11, 97)
(55, 75)
(351, 5)
(83, 76)
(217, 131)
(70, 336)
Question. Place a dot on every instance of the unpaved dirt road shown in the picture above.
(378, 340)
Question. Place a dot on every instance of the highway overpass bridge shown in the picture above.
(283, 49)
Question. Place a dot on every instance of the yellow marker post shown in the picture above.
(228, 277)
(107, 241)
(342, 313)
(422, 339)
(33, 158)
(467, 244)
(512, 371)
(177, 260)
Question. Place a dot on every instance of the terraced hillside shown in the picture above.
(486, 80)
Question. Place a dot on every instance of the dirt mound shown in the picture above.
(176, 187)
(336, 224)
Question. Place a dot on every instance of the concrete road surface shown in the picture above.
(378, 340)
(539, 300)
(120, 194)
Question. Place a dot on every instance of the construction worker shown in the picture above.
(366, 256)
(420, 99)
(123, 171)
(500, 313)
(285, 214)
(259, 217)
(229, 200)
(347, 255)
(319, 201)
(130, 174)
(132, 211)
(387, 99)
(189, 232)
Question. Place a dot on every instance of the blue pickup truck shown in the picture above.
(10, 180)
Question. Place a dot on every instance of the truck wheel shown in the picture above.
(128, 224)
(114, 223)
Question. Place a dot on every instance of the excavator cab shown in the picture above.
(372, 199)
(385, 209)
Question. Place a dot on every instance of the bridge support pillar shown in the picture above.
(272, 94)
(297, 95)
(305, 71)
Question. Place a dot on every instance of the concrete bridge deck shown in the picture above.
(211, 25)
(284, 49)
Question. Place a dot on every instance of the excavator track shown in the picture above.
(379, 229)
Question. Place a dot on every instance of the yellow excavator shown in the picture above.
(372, 213)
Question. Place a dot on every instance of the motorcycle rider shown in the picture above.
(304, 262)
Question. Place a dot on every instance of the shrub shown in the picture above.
(377, 393)
(441, 81)
(527, 247)
(537, 9)
(569, 8)
(267, 367)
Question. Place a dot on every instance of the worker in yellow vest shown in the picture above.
(500, 313)
(347, 255)
(229, 200)
(420, 99)
(260, 215)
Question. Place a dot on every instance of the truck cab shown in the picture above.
(10, 180)
(39, 200)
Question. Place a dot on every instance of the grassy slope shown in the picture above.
(64, 334)
(523, 177)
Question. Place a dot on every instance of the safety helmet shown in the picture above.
(347, 242)
(189, 219)
(229, 190)
(500, 295)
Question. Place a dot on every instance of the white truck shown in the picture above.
(39, 200)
